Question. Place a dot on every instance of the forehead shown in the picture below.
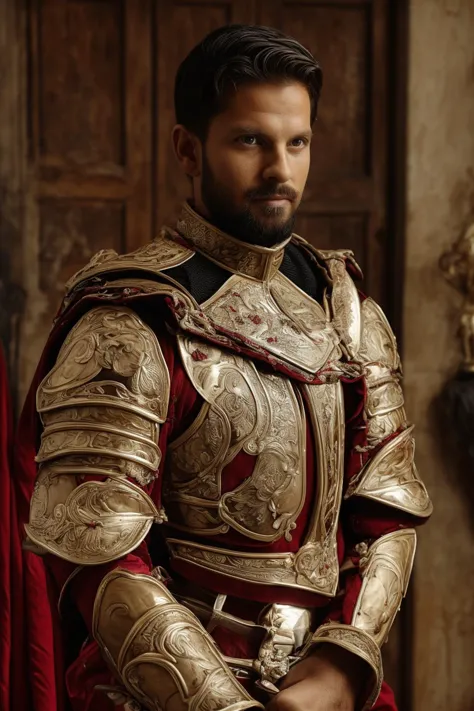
(267, 106)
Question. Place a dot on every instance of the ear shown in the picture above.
(187, 148)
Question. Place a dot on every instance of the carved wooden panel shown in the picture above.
(70, 233)
(91, 131)
(81, 117)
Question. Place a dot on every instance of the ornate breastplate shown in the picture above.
(246, 408)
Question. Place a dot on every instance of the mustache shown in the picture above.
(269, 191)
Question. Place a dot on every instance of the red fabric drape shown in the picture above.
(6, 514)
(36, 674)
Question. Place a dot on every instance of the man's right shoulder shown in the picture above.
(167, 250)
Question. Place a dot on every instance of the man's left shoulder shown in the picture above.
(326, 258)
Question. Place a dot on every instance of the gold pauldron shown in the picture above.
(357, 642)
(379, 357)
(384, 408)
(159, 650)
(391, 478)
(386, 567)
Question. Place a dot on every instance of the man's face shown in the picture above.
(255, 162)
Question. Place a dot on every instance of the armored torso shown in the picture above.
(210, 407)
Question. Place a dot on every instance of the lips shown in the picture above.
(274, 198)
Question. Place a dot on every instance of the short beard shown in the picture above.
(240, 224)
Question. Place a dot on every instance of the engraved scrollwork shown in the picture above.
(160, 650)
(378, 343)
(92, 523)
(114, 342)
(391, 478)
(385, 575)
(82, 441)
(357, 642)
(253, 261)
(248, 310)
(246, 411)
(160, 254)
(345, 303)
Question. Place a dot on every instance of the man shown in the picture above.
(226, 492)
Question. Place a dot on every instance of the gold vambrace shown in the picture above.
(159, 649)
(385, 568)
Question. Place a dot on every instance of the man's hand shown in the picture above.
(330, 679)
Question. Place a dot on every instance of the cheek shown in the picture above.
(302, 169)
(236, 170)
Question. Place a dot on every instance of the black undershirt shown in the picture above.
(202, 278)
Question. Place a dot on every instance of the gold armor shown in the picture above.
(102, 406)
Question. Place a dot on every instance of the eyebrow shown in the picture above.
(251, 130)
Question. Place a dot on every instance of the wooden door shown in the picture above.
(91, 154)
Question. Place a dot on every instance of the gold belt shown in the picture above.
(279, 632)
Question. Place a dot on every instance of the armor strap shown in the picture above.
(159, 649)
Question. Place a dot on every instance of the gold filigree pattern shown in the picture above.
(88, 465)
(385, 576)
(315, 567)
(160, 254)
(379, 427)
(103, 418)
(359, 643)
(381, 363)
(247, 310)
(345, 303)
(92, 523)
(391, 478)
(159, 649)
(246, 410)
(98, 434)
(96, 442)
(318, 556)
(378, 343)
(115, 343)
(260, 263)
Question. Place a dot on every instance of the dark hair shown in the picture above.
(234, 55)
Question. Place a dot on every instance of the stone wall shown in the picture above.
(440, 184)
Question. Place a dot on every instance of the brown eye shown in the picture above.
(248, 140)
(299, 142)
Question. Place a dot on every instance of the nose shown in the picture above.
(277, 168)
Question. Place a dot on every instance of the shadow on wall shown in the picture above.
(453, 420)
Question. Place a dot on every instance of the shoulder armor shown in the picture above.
(101, 406)
(164, 252)
(340, 269)
(325, 255)
(378, 342)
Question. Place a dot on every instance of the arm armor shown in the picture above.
(385, 568)
(390, 477)
(160, 651)
(101, 406)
